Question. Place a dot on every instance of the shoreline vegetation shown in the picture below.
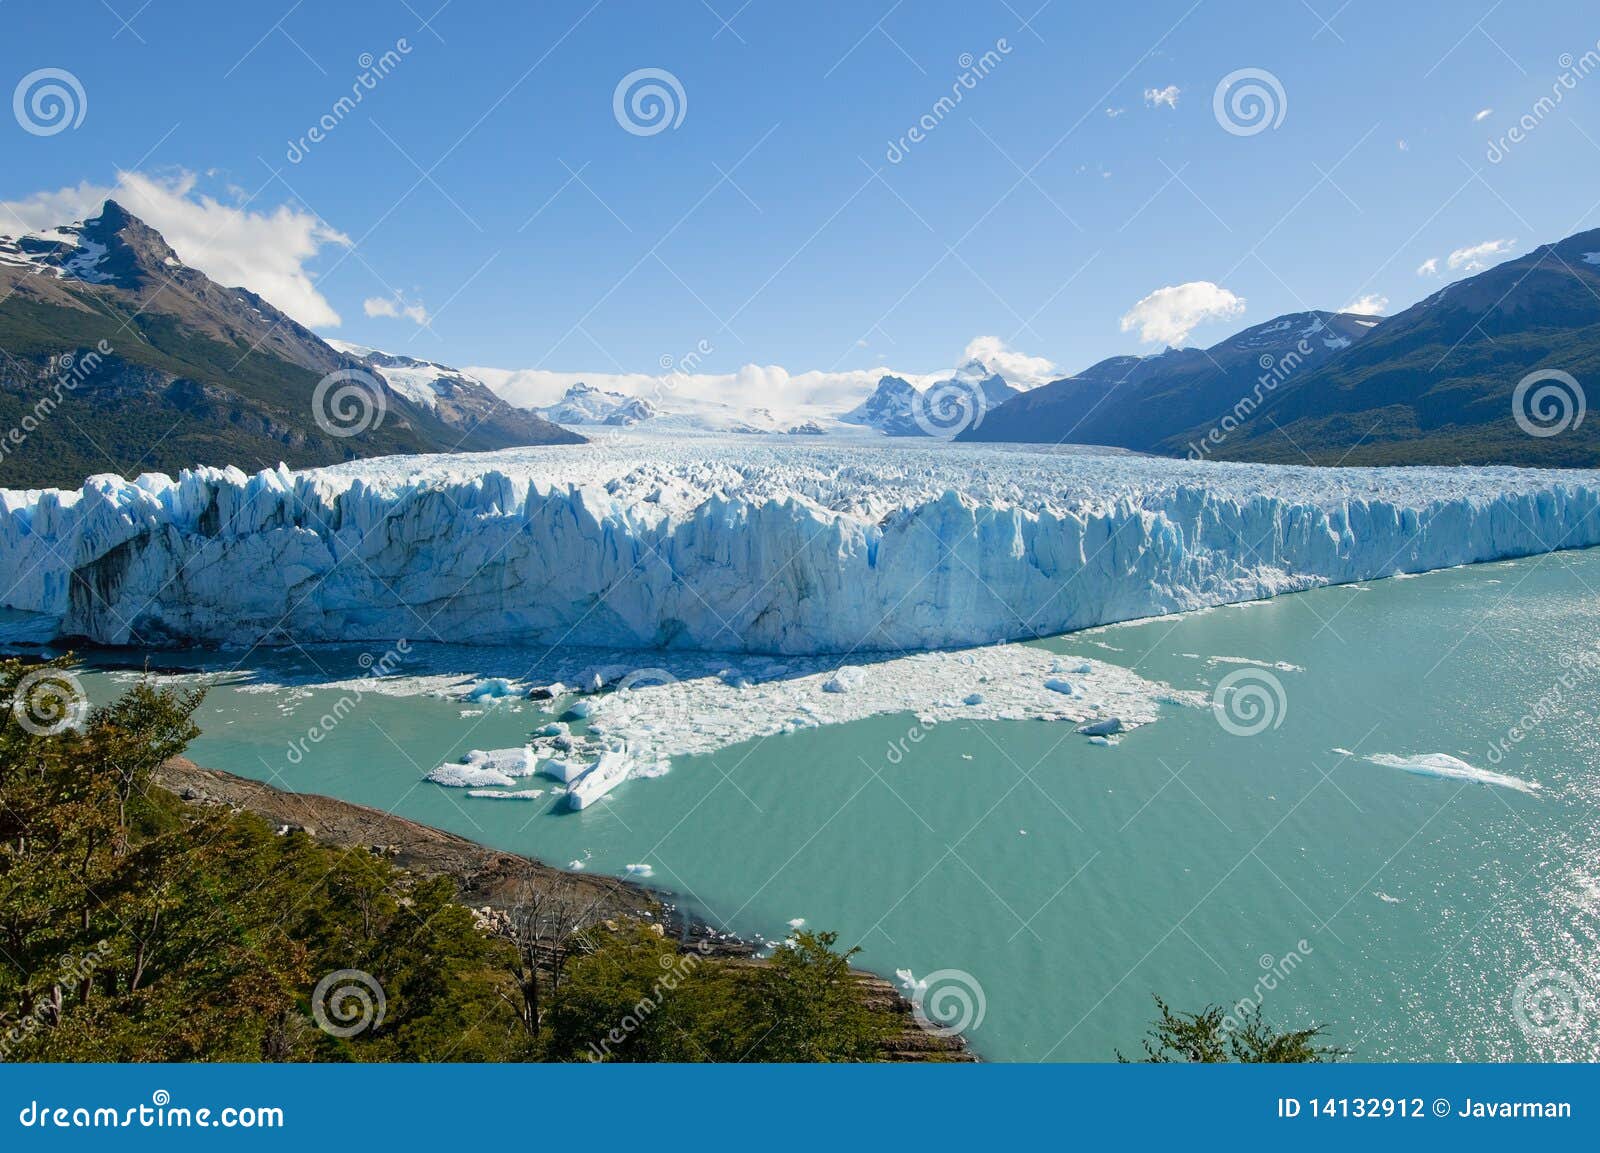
(155, 910)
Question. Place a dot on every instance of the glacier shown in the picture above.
(740, 545)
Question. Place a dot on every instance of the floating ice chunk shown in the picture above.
(577, 864)
(459, 776)
(516, 762)
(503, 795)
(639, 870)
(1097, 739)
(580, 709)
(847, 679)
(973, 699)
(492, 689)
(1386, 898)
(548, 692)
(1105, 727)
(1281, 666)
(608, 772)
(565, 771)
(1060, 685)
(553, 729)
(1451, 768)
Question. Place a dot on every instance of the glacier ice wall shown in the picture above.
(734, 546)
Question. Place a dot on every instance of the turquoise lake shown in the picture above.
(1417, 917)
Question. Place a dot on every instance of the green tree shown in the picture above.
(1206, 1037)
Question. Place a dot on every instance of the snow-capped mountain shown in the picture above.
(167, 369)
(457, 399)
(584, 406)
(899, 408)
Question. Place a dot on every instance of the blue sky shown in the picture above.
(487, 179)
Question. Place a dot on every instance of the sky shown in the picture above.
(798, 200)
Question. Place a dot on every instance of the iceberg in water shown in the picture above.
(607, 773)
(724, 546)
(1451, 768)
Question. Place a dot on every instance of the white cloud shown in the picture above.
(1482, 115)
(1168, 315)
(1372, 304)
(1476, 257)
(266, 252)
(396, 306)
(1019, 368)
(1113, 113)
(1429, 267)
(1155, 97)
(770, 386)
(1403, 145)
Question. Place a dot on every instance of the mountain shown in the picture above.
(891, 409)
(462, 403)
(121, 358)
(1439, 382)
(670, 413)
(1164, 402)
(585, 404)
(898, 408)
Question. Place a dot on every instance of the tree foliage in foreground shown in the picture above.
(134, 927)
(1212, 1036)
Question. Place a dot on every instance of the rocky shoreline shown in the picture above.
(490, 880)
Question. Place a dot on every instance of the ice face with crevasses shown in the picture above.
(742, 544)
